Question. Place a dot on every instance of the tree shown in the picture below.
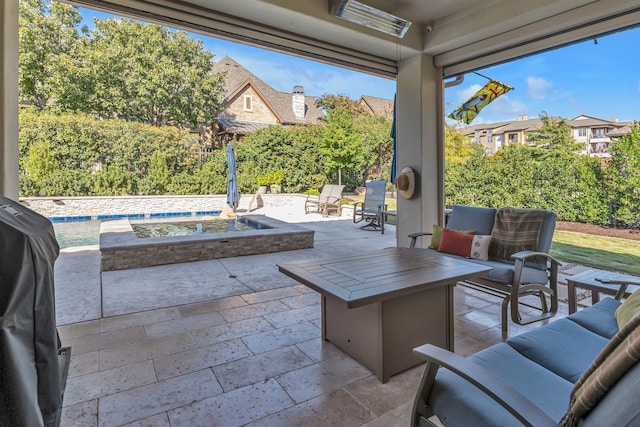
(340, 145)
(48, 41)
(150, 74)
(624, 178)
(457, 148)
(554, 134)
(329, 103)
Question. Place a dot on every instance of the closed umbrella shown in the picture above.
(393, 135)
(232, 182)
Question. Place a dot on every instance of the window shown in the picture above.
(599, 133)
(490, 139)
(513, 137)
(248, 103)
(582, 131)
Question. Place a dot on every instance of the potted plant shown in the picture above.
(263, 182)
(275, 179)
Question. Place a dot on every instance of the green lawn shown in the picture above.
(609, 253)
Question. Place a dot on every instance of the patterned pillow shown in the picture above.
(480, 247)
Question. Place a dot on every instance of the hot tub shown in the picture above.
(121, 249)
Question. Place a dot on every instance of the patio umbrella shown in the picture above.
(232, 182)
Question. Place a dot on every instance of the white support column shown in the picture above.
(9, 98)
(420, 144)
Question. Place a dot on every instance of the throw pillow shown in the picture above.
(455, 243)
(629, 308)
(436, 236)
(480, 247)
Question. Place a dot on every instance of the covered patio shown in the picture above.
(232, 341)
(254, 355)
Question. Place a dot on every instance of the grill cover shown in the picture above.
(32, 377)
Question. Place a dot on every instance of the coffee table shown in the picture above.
(621, 285)
(378, 306)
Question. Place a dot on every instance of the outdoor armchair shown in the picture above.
(371, 208)
(328, 201)
(516, 273)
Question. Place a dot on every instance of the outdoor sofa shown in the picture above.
(579, 370)
(514, 275)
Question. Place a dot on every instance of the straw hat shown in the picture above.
(406, 183)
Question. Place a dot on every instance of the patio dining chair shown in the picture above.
(371, 208)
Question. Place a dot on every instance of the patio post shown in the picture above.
(9, 98)
(420, 145)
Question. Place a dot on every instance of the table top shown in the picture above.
(377, 276)
(588, 279)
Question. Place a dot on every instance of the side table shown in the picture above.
(617, 284)
(383, 217)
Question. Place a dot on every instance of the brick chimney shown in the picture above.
(297, 102)
(523, 117)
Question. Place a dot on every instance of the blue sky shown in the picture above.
(601, 80)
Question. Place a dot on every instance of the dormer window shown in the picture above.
(248, 103)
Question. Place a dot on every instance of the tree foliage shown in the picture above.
(546, 173)
(624, 178)
(48, 41)
(121, 69)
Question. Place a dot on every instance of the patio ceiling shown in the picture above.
(463, 35)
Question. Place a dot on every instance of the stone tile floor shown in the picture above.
(246, 353)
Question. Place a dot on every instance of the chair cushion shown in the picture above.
(472, 218)
(599, 318)
(502, 272)
(628, 309)
(563, 347)
(458, 403)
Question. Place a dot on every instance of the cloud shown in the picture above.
(538, 88)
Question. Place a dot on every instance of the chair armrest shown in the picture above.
(332, 199)
(524, 255)
(515, 403)
(414, 236)
(312, 198)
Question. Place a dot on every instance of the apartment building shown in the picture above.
(593, 133)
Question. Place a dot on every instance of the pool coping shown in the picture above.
(121, 249)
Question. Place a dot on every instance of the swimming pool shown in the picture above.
(77, 233)
(84, 230)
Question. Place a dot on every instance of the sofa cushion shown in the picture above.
(458, 403)
(472, 218)
(599, 318)
(563, 347)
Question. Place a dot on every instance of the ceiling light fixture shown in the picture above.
(370, 17)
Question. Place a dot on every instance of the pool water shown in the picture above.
(77, 233)
(188, 228)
